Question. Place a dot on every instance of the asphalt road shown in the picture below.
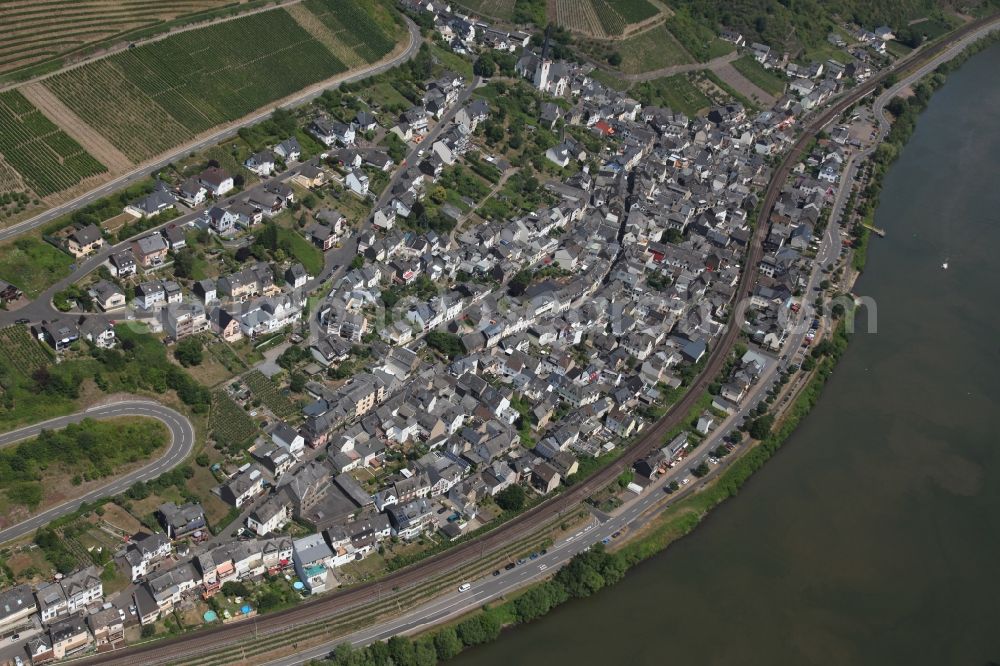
(527, 523)
(230, 130)
(180, 446)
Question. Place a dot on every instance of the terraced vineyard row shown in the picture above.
(193, 81)
(31, 32)
(46, 157)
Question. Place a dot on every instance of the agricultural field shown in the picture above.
(602, 18)
(768, 81)
(228, 424)
(151, 98)
(35, 32)
(677, 92)
(23, 352)
(266, 390)
(46, 158)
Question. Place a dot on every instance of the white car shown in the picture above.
(465, 587)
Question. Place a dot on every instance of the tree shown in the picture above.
(701, 470)
(761, 426)
(402, 652)
(235, 589)
(424, 652)
(485, 65)
(615, 59)
(479, 629)
(189, 352)
(625, 478)
(447, 643)
(511, 498)
(358, 261)
(297, 382)
(446, 343)
(184, 264)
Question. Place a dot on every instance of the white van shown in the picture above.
(465, 587)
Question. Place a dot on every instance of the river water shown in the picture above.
(873, 537)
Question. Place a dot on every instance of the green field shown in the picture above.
(46, 157)
(766, 80)
(676, 92)
(32, 265)
(310, 256)
(154, 97)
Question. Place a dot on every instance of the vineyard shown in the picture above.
(602, 18)
(47, 159)
(118, 109)
(151, 98)
(228, 424)
(500, 9)
(649, 50)
(358, 27)
(265, 390)
(33, 32)
(578, 16)
(24, 353)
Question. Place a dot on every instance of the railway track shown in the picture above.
(326, 607)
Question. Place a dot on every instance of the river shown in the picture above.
(873, 537)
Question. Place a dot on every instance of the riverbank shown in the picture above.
(905, 111)
(676, 521)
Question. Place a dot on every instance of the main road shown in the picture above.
(413, 46)
(180, 446)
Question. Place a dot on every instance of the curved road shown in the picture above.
(180, 446)
(122, 181)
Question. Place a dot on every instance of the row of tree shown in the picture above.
(584, 575)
